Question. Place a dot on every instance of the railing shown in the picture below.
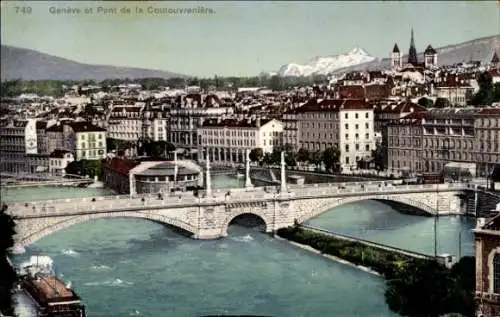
(310, 191)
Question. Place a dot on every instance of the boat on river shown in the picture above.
(49, 294)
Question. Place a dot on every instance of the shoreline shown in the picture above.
(328, 256)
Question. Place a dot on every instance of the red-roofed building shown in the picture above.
(456, 91)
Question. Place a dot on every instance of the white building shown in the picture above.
(226, 140)
(125, 123)
(59, 160)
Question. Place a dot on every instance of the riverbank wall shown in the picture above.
(327, 256)
(371, 259)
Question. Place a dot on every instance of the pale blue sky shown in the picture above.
(241, 38)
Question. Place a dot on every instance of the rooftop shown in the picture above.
(167, 169)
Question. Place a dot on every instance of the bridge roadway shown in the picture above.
(232, 196)
(208, 216)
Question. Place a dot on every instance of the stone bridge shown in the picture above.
(208, 215)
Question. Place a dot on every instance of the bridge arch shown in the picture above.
(235, 214)
(31, 237)
(322, 205)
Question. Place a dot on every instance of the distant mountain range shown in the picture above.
(21, 63)
(481, 49)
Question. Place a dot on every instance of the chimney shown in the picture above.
(257, 123)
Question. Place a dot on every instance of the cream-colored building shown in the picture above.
(347, 124)
(456, 91)
(59, 160)
(125, 123)
(226, 140)
(87, 141)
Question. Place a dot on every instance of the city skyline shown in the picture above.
(238, 39)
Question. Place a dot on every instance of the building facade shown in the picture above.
(227, 140)
(86, 140)
(346, 124)
(487, 239)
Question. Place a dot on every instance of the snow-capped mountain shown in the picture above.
(325, 65)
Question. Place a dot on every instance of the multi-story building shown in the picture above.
(87, 140)
(404, 143)
(125, 123)
(487, 140)
(428, 141)
(226, 140)
(59, 160)
(347, 124)
(487, 238)
(155, 124)
(455, 90)
(188, 115)
(22, 145)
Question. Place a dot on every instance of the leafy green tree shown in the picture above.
(268, 159)
(91, 168)
(8, 276)
(303, 155)
(331, 158)
(379, 157)
(425, 102)
(276, 157)
(485, 95)
(316, 158)
(256, 155)
(442, 103)
(290, 159)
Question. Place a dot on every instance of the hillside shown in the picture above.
(481, 49)
(20, 63)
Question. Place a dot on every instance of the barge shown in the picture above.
(49, 294)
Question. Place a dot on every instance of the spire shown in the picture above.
(412, 54)
(396, 48)
(495, 58)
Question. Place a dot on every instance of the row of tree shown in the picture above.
(54, 88)
(330, 158)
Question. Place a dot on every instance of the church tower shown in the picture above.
(396, 60)
(412, 53)
(430, 57)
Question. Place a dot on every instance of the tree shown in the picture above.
(268, 159)
(291, 159)
(425, 102)
(485, 95)
(276, 157)
(316, 158)
(428, 289)
(303, 155)
(8, 275)
(331, 157)
(256, 155)
(496, 92)
(378, 156)
(442, 103)
(91, 168)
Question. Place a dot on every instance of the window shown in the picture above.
(347, 159)
(367, 148)
(367, 115)
(496, 273)
(357, 147)
(347, 136)
(356, 126)
(347, 147)
(347, 126)
(367, 125)
(356, 115)
(347, 116)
